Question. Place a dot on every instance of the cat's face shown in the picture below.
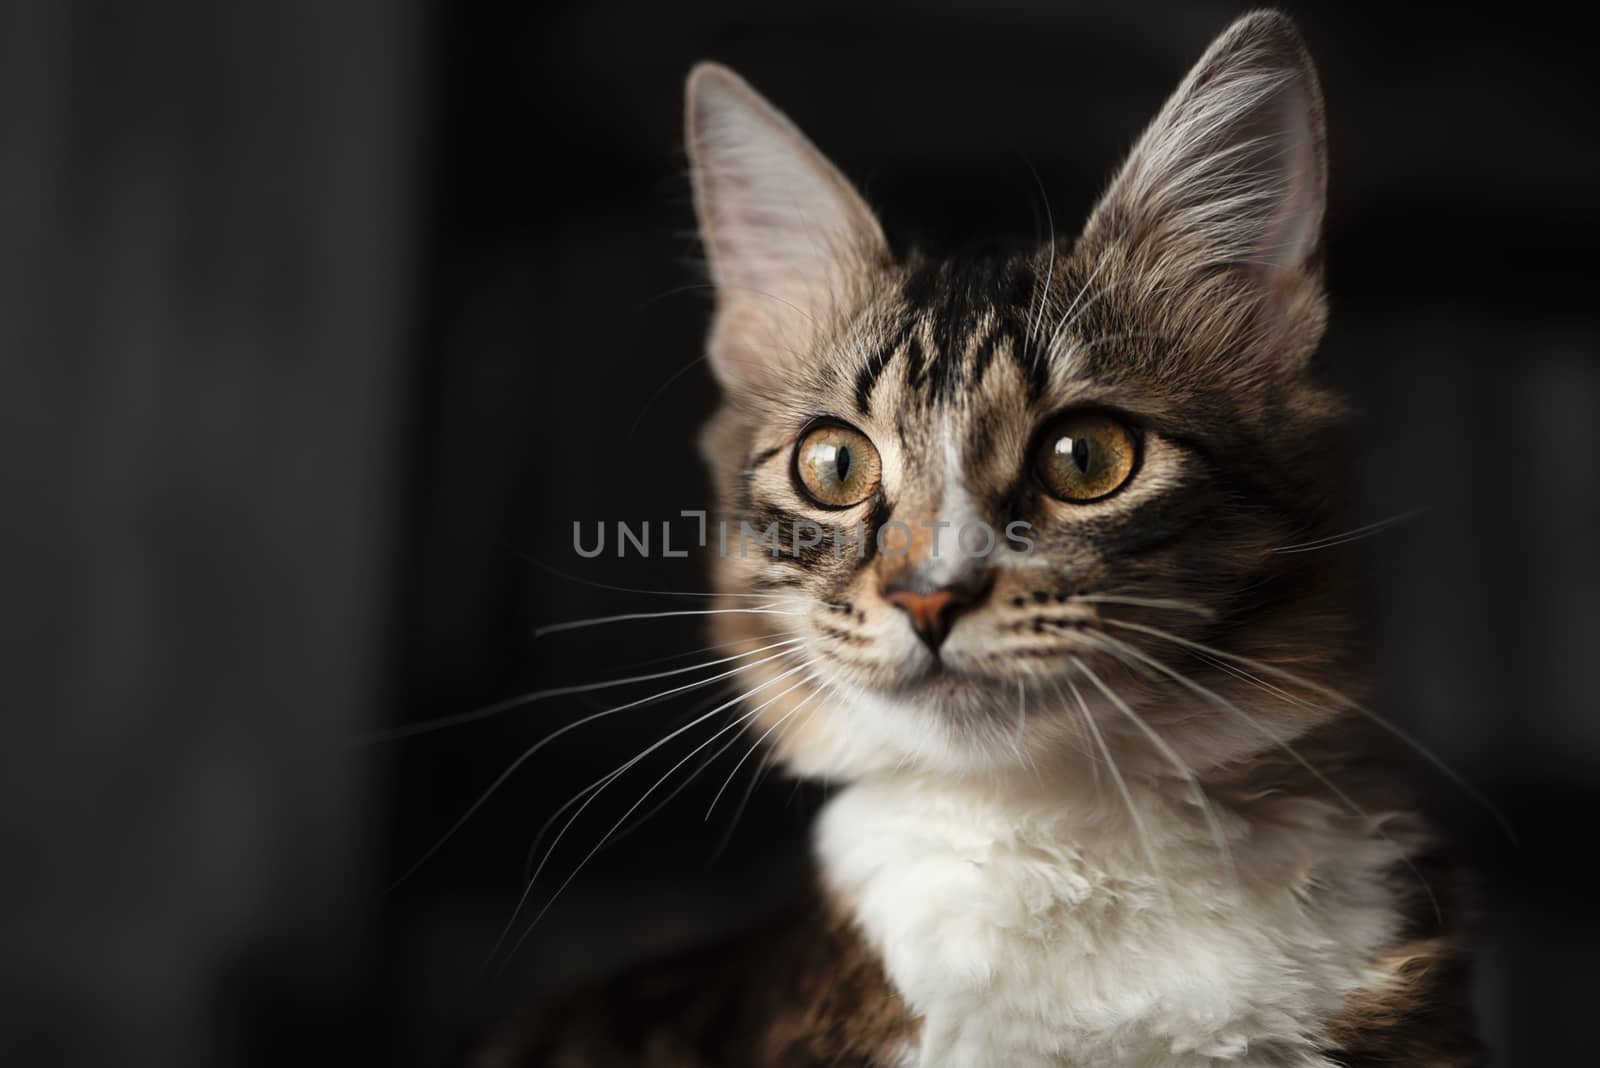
(1005, 490)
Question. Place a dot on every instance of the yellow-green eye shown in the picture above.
(837, 466)
(1085, 456)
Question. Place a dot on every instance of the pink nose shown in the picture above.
(931, 613)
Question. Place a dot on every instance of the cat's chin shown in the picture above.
(939, 686)
(930, 675)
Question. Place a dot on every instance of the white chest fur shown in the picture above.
(1054, 930)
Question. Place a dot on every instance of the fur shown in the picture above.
(1125, 809)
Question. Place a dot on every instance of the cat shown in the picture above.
(1106, 794)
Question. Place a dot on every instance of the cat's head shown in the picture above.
(1072, 472)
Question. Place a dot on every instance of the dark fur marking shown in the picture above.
(729, 1006)
(868, 377)
(954, 297)
(983, 356)
(762, 515)
(1033, 362)
(1154, 525)
(915, 369)
(1418, 1017)
(876, 518)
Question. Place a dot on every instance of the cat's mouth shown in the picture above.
(945, 671)
(955, 668)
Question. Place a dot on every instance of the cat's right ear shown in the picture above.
(787, 237)
(1218, 210)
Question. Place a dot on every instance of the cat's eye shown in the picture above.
(836, 466)
(1084, 456)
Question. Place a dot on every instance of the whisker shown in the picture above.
(1112, 339)
(699, 716)
(738, 812)
(659, 390)
(699, 769)
(628, 617)
(1066, 318)
(411, 730)
(1083, 714)
(712, 594)
(1042, 297)
(1019, 736)
(1341, 701)
(528, 754)
(1122, 787)
(1196, 789)
(755, 780)
(532, 881)
(1350, 535)
(717, 647)
(1193, 607)
(710, 287)
(1372, 823)
(534, 850)
(754, 746)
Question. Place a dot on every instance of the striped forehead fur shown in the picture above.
(1118, 683)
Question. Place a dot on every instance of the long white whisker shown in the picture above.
(782, 632)
(659, 390)
(528, 754)
(627, 617)
(757, 745)
(1019, 737)
(699, 770)
(535, 844)
(1067, 317)
(1095, 760)
(1339, 700)
(1222, 702)
(700, 716)
(827, 689)
(738, 812)
(411, 730)
(712, 594)
(1219, 839)
(1122, 787)
(527, 891)
(1144, 602)
(1042, 297)
(1350, 535)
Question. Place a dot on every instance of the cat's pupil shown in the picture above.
(842, 462)
(1080, 453)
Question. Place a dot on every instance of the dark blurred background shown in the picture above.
(320, 325)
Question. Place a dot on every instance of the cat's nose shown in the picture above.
(933, 611)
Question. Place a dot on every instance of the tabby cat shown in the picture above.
(1106, 794)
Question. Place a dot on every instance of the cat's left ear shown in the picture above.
(1222, 197)
(787, 237)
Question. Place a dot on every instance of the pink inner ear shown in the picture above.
(745, 349)
(785, 233)
(1231, 170)
(1299, 221)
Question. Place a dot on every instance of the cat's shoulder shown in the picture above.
(801, 990)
